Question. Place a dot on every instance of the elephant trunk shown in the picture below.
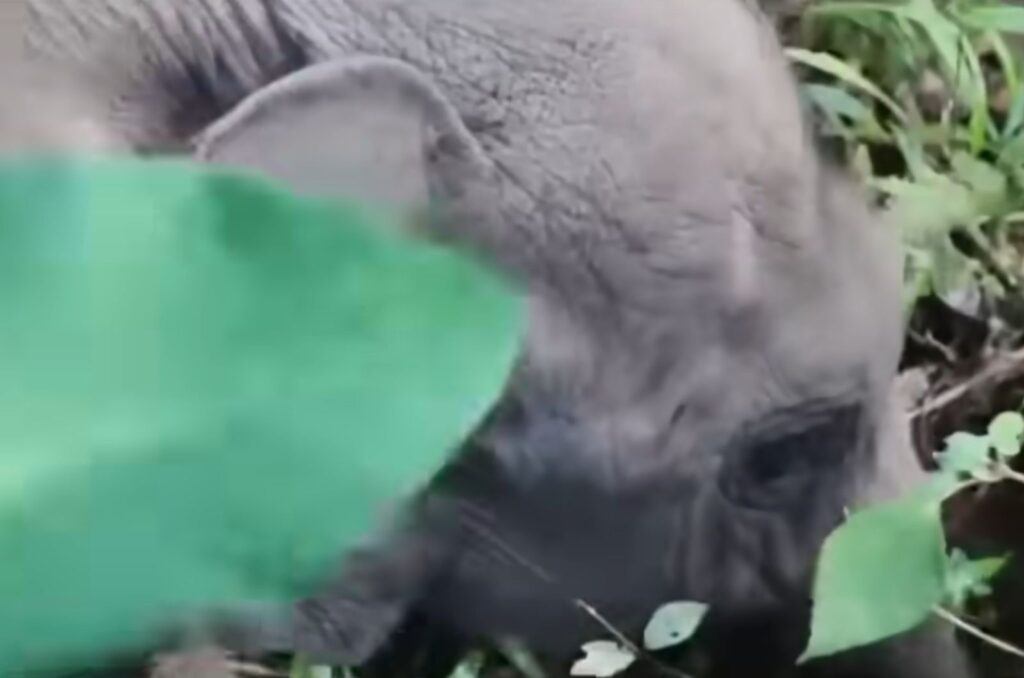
(160, 71)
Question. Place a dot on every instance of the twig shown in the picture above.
(608, 626)
(626, 642)
(956, 621)
(544, 577)
(926, 339)
(998, 370)
(1009, 474)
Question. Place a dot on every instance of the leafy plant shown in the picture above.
(210, 389)
(879, 574)
(937, 85)
(924, 100)
(886, 570)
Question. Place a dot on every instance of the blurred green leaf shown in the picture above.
(842, 71)
(988, 185)
(908, 140)
(879, 574)
(1007, 63)
(1006, 432)
(917, 278)
(1004, 18)
(837, 101)
(210, 389)
(967, 454)
(301, 668)
(1011, 156)
(673, 623)
(959, 60)
(1015, 117)
(966, 579)
(928, 209)
(853, 9)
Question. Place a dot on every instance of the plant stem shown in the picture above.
(956, 621)
(1009, 474)
(609, 627)
(626, 642)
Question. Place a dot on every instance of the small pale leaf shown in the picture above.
(1005, 433)
(603, 658)
(673, 623)
(967, 453)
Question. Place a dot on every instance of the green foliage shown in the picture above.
(210, 389)
(673, 623)
(967, 454)
(885, 569)
(969, 578)
(936, 84)
(984, 457)
(879, 574)
(1006, 433)
(302, 668)
(835, 102)
(926, 99)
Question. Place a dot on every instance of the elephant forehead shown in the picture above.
(624, 131)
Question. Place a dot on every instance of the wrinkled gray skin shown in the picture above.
(714, 313)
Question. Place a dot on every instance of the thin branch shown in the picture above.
(997, 371)
(956, 621)
(608, 626)
(543, 576)
(1009, 474)
(926, 339)
(626, 642)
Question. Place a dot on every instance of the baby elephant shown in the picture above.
(714, 312)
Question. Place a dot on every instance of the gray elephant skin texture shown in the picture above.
(714, 317)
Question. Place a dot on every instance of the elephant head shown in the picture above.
(714, 311)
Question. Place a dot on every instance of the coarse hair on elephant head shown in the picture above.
(714, 316)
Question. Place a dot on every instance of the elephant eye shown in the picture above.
(778, 462)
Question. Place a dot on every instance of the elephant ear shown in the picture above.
(375, 130)
(370, 128)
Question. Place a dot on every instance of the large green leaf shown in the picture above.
(209, 389)
(880, 573)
